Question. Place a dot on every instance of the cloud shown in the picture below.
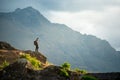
(59, 5)
(76, 5)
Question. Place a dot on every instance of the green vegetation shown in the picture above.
(4, 64)
(64, 73)
(80, 71)
(36, 64)
(65, 67)
(86, 77)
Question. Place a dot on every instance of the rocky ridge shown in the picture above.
(20, 68)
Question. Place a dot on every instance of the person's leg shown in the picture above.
(37, 48)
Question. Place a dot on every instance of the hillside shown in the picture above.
(58, 42)
(11, 54)
(21, 69)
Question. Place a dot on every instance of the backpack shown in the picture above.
(35, 43)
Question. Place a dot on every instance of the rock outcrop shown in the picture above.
(10, 54)
(20, 71)
(38, 55)
(6, 46)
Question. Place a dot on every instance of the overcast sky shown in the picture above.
(97, 17)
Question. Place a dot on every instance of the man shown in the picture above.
(36, 45)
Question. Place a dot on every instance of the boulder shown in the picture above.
(6, 46)
(38, 55)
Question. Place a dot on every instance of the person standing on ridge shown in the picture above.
(36, 45)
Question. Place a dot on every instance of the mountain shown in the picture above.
(57, 41)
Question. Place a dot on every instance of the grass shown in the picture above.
(4, 64)
(36, 64)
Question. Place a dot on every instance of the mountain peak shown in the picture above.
(30, 8)
(27, 9)
(30, 16)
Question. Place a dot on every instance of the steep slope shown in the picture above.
(22, 69)
(15, 67)
(57, 41)
(10, 54)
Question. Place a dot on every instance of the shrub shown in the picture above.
(66, 66)
(86, 77)
(35, 63)
(4, 64)
(64, 73)
(80, 71)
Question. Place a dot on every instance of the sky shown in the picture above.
(95, 17)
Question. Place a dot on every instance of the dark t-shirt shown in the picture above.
(36, 44)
